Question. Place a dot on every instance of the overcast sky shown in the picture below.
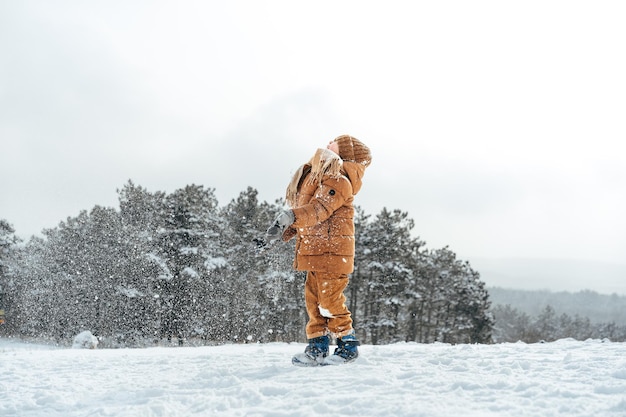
(496, 124)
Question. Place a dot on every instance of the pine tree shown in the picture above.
(189, 242)
(268, 295)
(546, 325)
(8, 242)
(384, 272)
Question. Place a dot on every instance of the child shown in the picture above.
(321, 218)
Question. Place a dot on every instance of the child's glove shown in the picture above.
(283, 221)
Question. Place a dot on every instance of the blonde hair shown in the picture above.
(324, 163)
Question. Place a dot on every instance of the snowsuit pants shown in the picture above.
(326, 305)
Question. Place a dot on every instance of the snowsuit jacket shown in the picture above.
(324, 221)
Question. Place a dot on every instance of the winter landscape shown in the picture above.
(562, 378)
(146, 145)
(186, 325)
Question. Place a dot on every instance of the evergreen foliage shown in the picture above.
(599, 308)
(513, 325)
(180, 267)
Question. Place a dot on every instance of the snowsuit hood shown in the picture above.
(354, 171)
(324, 218)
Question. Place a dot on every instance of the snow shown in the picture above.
(563, 378)
(212, 264)
(325, 312)
(166, 274)
(129, 292)
(85, 340)
(190, 272)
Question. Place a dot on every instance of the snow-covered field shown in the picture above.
(564, 378)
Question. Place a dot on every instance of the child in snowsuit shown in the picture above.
(321, 195)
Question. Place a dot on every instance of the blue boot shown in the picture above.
(314, 353)
(346, 351)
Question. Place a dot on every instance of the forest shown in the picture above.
(179, 267)
(532, 316)
(599, 308)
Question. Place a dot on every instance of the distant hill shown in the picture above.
(552, 274)
(597, 307)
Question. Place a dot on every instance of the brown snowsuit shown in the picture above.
(324, 231)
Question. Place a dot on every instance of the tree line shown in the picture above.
(178, 266)
(512, 325)
(599, 308)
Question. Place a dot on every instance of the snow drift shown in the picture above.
(564, 378)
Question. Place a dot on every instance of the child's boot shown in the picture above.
(314, 353)
(346, 351)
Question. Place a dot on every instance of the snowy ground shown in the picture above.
(565, 378)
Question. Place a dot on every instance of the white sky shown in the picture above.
(495, 124)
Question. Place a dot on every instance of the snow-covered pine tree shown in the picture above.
(407, 293)
(383, 273)
(141, 217)
(8, 242)
(192, 296)
(267, 300)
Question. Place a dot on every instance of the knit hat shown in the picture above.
(352, 149)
